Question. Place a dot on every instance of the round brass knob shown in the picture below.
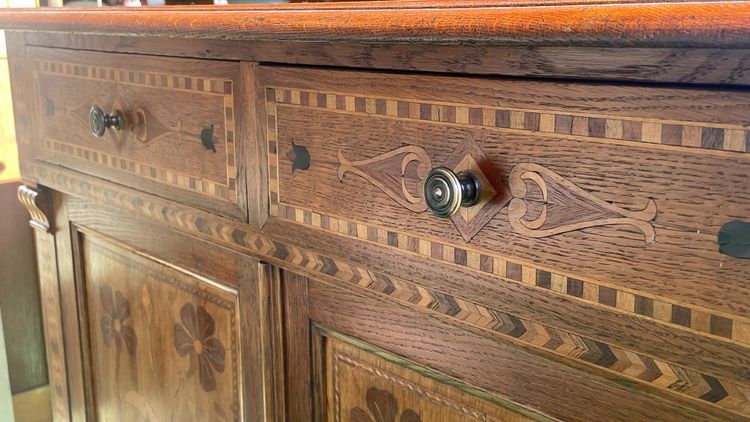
(446, 192)
(99, 121)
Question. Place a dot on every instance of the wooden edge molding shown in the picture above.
(682, 65)
(627, 364)
(30, 199)
(673, 24)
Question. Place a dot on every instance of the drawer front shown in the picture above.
(607, 199)
(179, 123)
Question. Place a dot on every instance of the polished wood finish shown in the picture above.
(586, 284)
(180, 131)
(365, 384)
(688, 24)
(559, 205)
(683, 65)
(202, 328)
(46, 256)
(132, 308)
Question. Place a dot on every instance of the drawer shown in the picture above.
(603, 197)
(178, 132)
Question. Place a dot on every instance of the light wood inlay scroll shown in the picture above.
(399, 173)
(564, 206)
(574, 208)
(577, 286)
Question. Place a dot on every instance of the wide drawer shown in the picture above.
(604, 197)
(179, 131)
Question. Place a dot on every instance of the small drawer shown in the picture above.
(166, 125)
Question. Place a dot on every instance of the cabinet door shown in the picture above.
(353, 380)
(365, 384)
(164, 345)
(172, 328)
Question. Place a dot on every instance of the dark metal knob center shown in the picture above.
(99, 121)
(446, 191)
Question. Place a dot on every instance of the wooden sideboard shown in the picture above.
(408, 211)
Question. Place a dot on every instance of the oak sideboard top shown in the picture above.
(516, 22)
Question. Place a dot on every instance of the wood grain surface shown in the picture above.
(230, 367)
(498, 368)
(287, 255)
(40, 211)
(655, 186)
(169, 113)
(695, 24)
(364, 384)
(296, 272)
(682, 65)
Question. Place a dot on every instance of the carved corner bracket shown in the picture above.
(36, 206)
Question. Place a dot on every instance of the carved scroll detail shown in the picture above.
(29, 199)
(399, 174)
(565, 207)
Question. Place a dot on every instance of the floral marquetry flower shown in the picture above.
(117, 310)
(382, 407)
(194, 337)
(113, 324)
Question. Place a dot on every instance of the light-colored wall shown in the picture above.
(8, 150)
(6, 399)
(9, 158)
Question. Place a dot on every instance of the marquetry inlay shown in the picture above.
(644, 132)
(183, 319)
(151, 128)
(124, 164)
(589, 351)
(596, 211)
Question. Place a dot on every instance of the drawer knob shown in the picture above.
(99, 121)
(446, 191)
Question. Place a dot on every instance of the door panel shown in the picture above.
(366, 385)
(164, 344)
(171, 328)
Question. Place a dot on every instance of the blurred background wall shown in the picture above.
(19, 292)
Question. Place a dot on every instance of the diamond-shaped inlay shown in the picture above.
(468, 156)
(488, 192)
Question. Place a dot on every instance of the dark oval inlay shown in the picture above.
(734, 239)
(207, 138)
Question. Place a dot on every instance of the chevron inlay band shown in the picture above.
(627, 363)
(659, 309)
